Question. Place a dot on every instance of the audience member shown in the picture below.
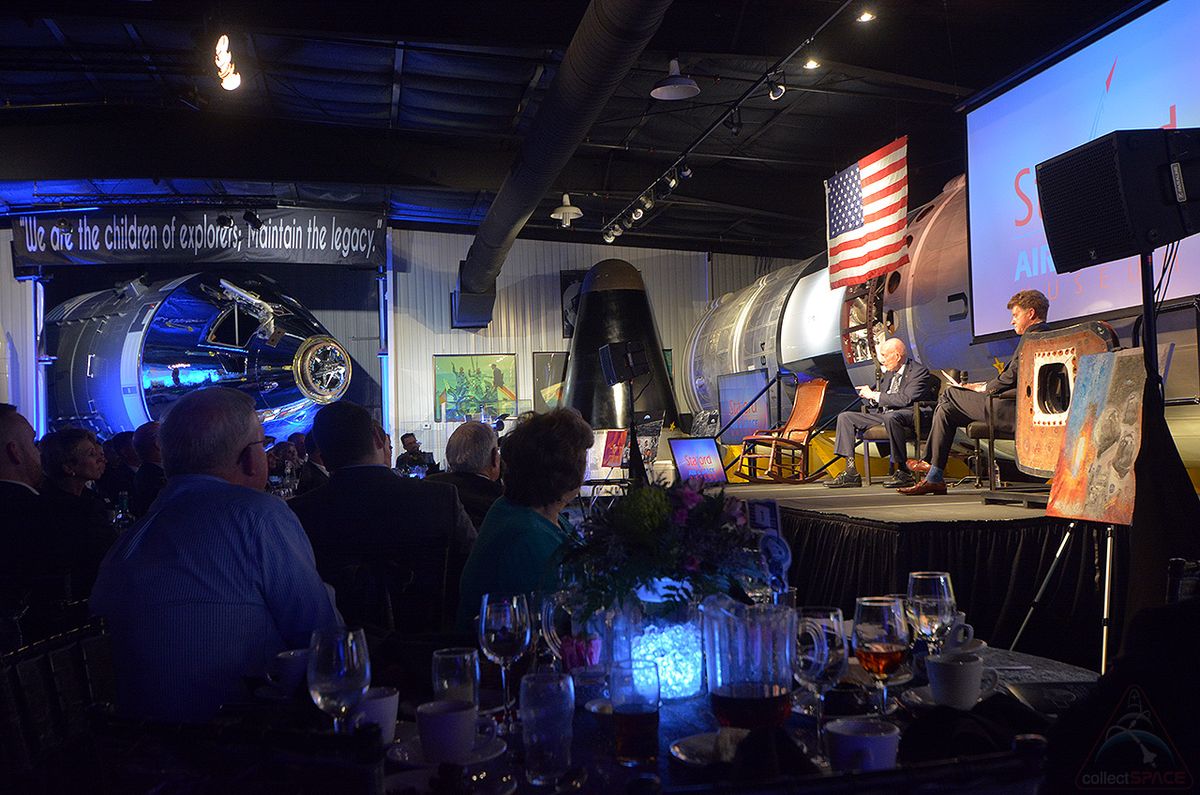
(313, 472)
(544, 458)
(30, 548)
(71, 459)
(473, 457)
(122, 463)
(151, 477)
(299, 440)
(218, 580)
(414, 457)
(374, 531)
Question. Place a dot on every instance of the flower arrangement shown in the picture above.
(685, 541)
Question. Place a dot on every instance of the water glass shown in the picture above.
(547, 712)
(339, 671)
(456, 675)
(505, 632)
(930, 605)
(821, 672)
(633, 687)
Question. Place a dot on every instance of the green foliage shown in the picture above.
(687, 534)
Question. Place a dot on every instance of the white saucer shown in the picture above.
(922, 697)
(409, 752)
(975, 645)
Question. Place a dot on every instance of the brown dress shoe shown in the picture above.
(923, 488)
(917, 465)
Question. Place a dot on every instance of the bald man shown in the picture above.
(901, 383)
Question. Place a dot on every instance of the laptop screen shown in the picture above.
(698, 458)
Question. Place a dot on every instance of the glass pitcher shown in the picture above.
(575, 640)
(749, 654)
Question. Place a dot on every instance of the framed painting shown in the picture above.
(474, 386)
(549, 378)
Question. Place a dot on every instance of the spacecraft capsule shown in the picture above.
(121, 357)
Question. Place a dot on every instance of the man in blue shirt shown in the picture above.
(216, 579)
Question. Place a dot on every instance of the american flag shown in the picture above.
(866, 205)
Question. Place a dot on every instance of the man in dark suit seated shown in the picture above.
(150, 477)
(30, 550)
(958, 407)
(414, 458)
(890, 404)
(375, 533)
(122, 465)
(473, 456)
(313, 473)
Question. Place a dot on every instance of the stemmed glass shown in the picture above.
(505, 631)
(880, 639)
(820, 673)
(339, 671)
(930, 606)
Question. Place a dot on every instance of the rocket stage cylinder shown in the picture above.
(614, 308)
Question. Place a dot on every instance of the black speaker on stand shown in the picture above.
(1128, 193)
(622, 362)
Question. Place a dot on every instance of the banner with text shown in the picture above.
(126, 236)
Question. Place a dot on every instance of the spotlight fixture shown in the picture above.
(865, 16)
(646, 201)
(224, 221)
(733, 122)
(566, 212)
(685, 171)
(628, 222)
(226, 68)
(777, 88)
(637, 213)
(609, 236)
(812, 63)
(674, 85)
(672, 180)
(616, 230)
(253, 220)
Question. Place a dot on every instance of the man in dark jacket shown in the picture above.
(150, 477)
(473, 455)
(890, 404)
(960, 406)
(382, 541)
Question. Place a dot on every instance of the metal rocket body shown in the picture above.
(121, 357)
(613, 307)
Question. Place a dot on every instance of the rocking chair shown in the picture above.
(785, 449)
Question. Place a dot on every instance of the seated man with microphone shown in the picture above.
(902, 383)
(959, 406)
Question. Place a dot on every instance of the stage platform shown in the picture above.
(863, 542)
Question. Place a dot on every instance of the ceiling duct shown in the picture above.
(607, 43)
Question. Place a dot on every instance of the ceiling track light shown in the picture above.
(637, 213)
(224, 221)
(777, 88)
(733, 122)
(685, 171)
(609, 236)
(646, 201)
(251, 218)
(616, 230)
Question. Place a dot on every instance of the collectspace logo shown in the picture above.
(1134, 752)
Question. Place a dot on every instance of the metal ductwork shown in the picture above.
(607, 43)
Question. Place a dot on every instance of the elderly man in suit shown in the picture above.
(902, 383)
(958, 407)
(473, 455)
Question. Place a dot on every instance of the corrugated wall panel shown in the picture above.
(18, 336)
(528, 315)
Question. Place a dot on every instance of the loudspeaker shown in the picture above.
(1126, 193)
(623, 361)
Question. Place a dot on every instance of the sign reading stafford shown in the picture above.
(128, 236)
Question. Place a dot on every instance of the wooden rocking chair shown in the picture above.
(785, 449)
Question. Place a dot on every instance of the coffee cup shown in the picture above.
(862, 744)
(288, 669)
(959, 635)
(957, 680)
(449, 730)
(378, 706)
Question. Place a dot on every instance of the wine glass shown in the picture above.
(880, 639)
(821, 672)
(930, 606)
(505, 631)
(339, 671)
